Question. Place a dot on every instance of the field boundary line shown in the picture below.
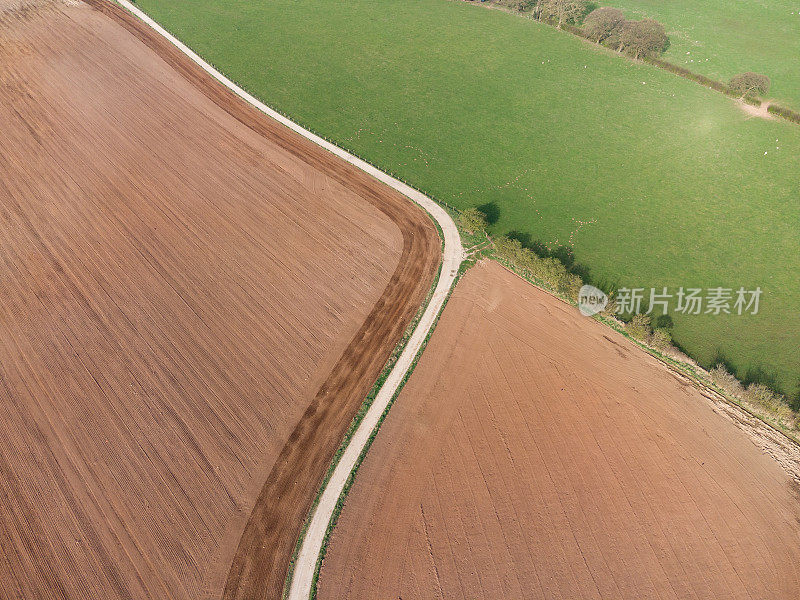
(696, 375)
(305, 564)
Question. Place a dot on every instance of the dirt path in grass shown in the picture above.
(761, 112)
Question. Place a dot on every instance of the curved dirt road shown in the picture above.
(254, 572)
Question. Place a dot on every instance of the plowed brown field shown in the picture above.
(533, 456)
(194, 302)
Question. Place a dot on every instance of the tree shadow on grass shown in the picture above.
(721, 359)
(759, 374)
(664, 322)
(491, 211)
(566, 256)
(754, 374)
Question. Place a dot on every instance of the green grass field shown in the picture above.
(652, 179)
(719, 38)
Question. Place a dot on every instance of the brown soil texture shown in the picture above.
(536, 454)
(194, 302)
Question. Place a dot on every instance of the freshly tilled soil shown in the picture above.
(194, 302)
(535, 454)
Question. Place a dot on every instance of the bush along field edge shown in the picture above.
(643, 40)
(553, 276)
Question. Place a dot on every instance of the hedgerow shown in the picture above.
(551, 274)
(688, 74)
(786, 113)
(531, 7)
(757, 397)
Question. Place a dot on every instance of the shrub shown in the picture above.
(725, 380)
(661, 339)
(642, 38)
(610, 310)
(518, 5)
(575, 30)
(601, 23)
(509, 249)
(759, 395)
(549, 271)
(749, 84)
(562, 12)
(784, 112)
(639, 327)
(472, 220)
(756, 395)
(569, 285)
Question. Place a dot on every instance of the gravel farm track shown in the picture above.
(194, 302)
(521, 462)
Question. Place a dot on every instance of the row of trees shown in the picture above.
(548, 270)
(602, 25)
(608, 25)
(561, 12)
(642, 38)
